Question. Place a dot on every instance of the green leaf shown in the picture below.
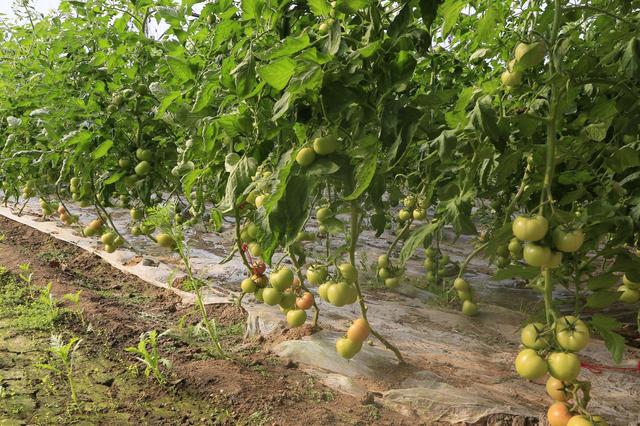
(605, 325)
(320, 7)
(630, 61)
(332, 43)
(349, 6)
(102, 150)
(369, 49)
(402, 20)
(487, 25)
(484, 118)
(77, 137)
(450, 10)
(114, 178)
(429, 11)
(602, 282)
(180, 69)
(364, 174)
(602, 299)
(239, 179)
(291, 45)
(205, 96)
(278, 73)
(415, 240)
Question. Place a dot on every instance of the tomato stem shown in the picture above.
(296, 263)
(355, 231)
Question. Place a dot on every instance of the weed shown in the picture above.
(150, 357)
(65, 355)
(75, 299)
(25, 273)
(51, 306)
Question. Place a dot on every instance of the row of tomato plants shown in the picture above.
(409, 117)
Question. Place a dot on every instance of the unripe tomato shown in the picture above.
(464, 295)
(358, 331)
(568, 240)
(530, 229)
(348, 272)
(555, 260)
(135, 231)
(383, 261)
(165, 240)
(108, 238)
(511, 78)
(630, 284)
(529, 55)
(461, 284)
(340, 294)
(316, 274)
(384, 273)
(536, 255)
(109, 248)
(392, 282)
(305, 301)
(515, 248)
(135, 214)
(271, 296)
(258, 294)
(419, 214)
(572, 334)
(124, 163)
(325, 145)
(255, 249)
(409, 201)
(469, 308)
(296, 317)
(558, 414)
(530, 365)
(429, 264)
(564, 366)
(580, 421)
(143, 168)
(252, 230)
(260, 199)
(282, 279)
(305, 157)
(404, 215)
(530, 336)
(430, 253)
(95, 225)
(323, 290)
(557, 389)
(288, 300)
(248, 286)
(323, 213)
(628, 295)
(347, 348)
(144, 154)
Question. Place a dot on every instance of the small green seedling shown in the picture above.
(150, 357)
(65, 355)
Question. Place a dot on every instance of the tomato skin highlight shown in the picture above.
(530, 365)
(564, 366)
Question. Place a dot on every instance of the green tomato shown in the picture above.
(530, 229)
(409, 201)
(530, 365)
(460, 284)
(392, 282)
(252, 231)
(383, 261)
(317, 274)
(296, 318)
(464, 295)
(255, 249)
(288, 300)
(143, 168)
(568, 240)
(430, 253)
(564, 366)
(515, 248)
(348, 272)
(258, 294)
(144, 154)
(630, 284)
(572, 334)
(404, 215)
(305, 157)
(323, 290)
(248, 286)
(536, 255)
(347, 348)
(165, 240)
(419, 214)
(323, 213)
(281, 279)
(530, 336)
(340, 294)
(384, 273)
(108, 238)
(529, 55)
(271, 296)
(429, 264)
(469, 308)
(325, 145)
(628, 295)
(124, 163)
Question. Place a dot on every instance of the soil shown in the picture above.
(250, 386)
